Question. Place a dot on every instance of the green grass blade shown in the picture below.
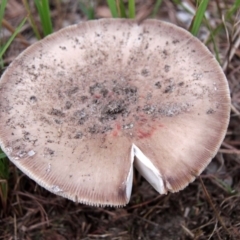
(177, 2)
(4, 168)
(31, 20)
(2, 155)
(131, 9)
(4, 193)
(83, 8)
(213, 41)
(88, 11)
(39, 9)
(4, 175)
(122, 9)
(45, 16)
(91, 13)
(228, 16)
(113, 8)
(235, 7)
(5, 47)
(197, 20)
(156, 8)
(2, 11)
(1, 62)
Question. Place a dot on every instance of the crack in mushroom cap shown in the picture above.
(77, 107)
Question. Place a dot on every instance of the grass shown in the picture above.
(233, 9)
(30, 212)
(4, 176)
(118, 9)
(87, 9)
(113, 8)
(198, 18)
(31, 20)
(2, 10)
(156, 8)
(121, 9)
(8, 43)
(44, 14)
(131, 9)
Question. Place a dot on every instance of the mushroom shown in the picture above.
(79, 108)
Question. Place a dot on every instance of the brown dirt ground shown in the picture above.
(207, 209)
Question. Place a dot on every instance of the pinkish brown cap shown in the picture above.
(80, 107)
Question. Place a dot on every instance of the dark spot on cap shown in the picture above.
(149, 109)
(81, 116)
(104, 92)
(84, 99)
(106, 129)
(169, 88)
(114, 107)
(145, 72)
(57, 121)
(130, 91)
(57, 113)
(78, 135)
(26, 135)
(175, 41)
(48, 151)
(165, 53)
(33, 99)
(68, 105)
(96, 101)
(166, 68)
(62, 47)
(158, 84)
(210, 111)
(93, 129)
(117, 89)
(96, 88)
(72, 91)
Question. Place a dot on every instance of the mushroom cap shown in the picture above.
(80, 107)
